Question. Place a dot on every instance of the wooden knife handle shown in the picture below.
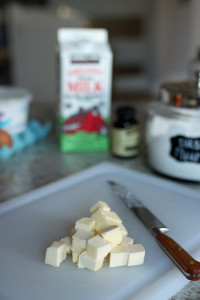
(186, 264)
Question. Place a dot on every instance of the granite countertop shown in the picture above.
(43, 163)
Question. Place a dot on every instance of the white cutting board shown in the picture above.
(30, 223)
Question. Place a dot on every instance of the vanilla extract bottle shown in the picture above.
(125, 135)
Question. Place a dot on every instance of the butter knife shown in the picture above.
(185, 263)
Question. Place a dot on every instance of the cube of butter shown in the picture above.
(100, 204)
(123, 229)
(55, 254)
(98, 248)
(80, 238)
(73, 231)
(118, 256)
(85, 224)
(76, 251)
(127, 241)
(98, 215)
(112, 234)
(103, 223)
(136, 254)
(85, 261)
(112, 216)
(68, 242)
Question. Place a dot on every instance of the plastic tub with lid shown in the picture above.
(14, 109)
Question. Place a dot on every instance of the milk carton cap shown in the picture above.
(66, 35)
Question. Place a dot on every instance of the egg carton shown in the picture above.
(34, 133)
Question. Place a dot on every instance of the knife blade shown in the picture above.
(189, 267)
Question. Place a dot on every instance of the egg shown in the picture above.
(5, 139)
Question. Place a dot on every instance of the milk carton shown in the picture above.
(85, 60)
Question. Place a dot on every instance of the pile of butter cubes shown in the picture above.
(101, 237)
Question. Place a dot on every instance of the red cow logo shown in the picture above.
(89, 121)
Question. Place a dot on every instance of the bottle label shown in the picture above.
(185, 149)
(125, 142)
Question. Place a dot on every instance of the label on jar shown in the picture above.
(125, 142)
(185, 149)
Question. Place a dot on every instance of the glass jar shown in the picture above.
(173, 140)
(125, 133)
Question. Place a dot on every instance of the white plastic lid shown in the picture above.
(14, 94)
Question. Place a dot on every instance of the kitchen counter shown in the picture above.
(43, 163)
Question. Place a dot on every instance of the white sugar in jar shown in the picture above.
(173, 141)
(14, 109)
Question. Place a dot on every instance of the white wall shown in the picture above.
(194, 43)
(175, 35)
(126, 50)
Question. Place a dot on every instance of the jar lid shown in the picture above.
(125, 112)
(184, 94)
(172, 112)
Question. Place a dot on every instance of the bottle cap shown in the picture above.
(125, 112)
